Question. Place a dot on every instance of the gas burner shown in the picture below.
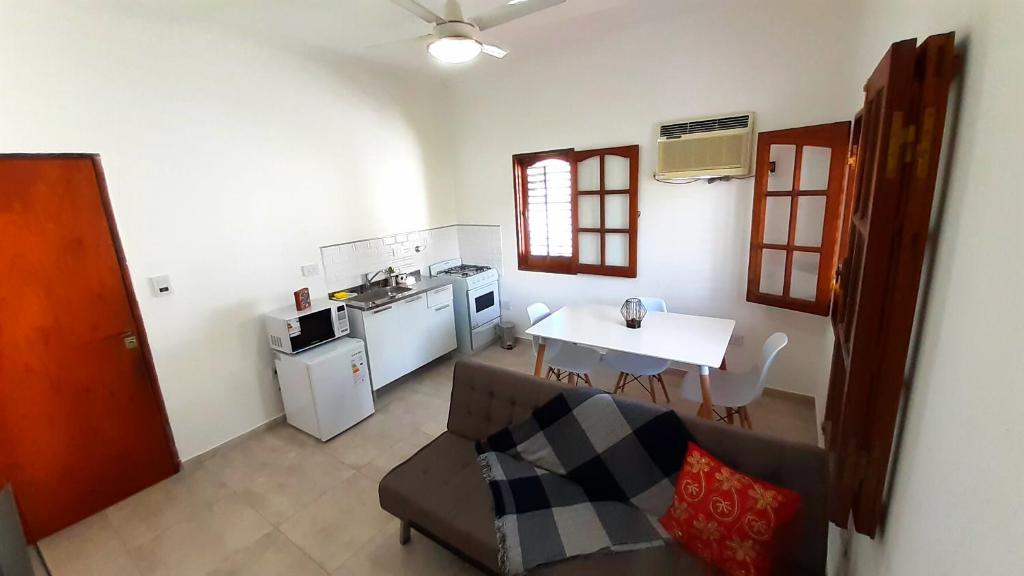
(464, 270)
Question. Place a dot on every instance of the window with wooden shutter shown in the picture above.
(794, 235)
(577, 211)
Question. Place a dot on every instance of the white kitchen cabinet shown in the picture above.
(405, 335)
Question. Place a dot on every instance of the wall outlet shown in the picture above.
(161, 285)
(506, 306)
(736, 340)
(310, 270)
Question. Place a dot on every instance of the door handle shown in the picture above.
(130, 340)
(411, 300)
(385, 309)
(446, 306)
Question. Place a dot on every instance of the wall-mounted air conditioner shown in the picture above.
(710, 147)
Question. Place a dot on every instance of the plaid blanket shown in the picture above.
(586, 472)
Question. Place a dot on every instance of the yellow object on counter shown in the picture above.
(340, 295)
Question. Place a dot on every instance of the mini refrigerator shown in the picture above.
(326, 390)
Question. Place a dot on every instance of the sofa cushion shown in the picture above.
(442, 489)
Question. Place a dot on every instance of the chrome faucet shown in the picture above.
(368, 279)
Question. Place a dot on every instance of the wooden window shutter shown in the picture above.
(607, 207)
(545, 211)
(795, 228)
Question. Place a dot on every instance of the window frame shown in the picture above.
(571, 265)
(835, 136)
(527, 261)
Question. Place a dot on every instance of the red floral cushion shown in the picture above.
(731, 520)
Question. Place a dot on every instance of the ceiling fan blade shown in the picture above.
(492, 50)
(511, 11)
(420, 10)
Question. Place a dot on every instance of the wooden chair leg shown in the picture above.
(650, 388)
(619, 385)
(730, 416)
(586, 378)
(550, 372)
(745, 418)
(572, 379)
(663, 389)
(404, 533)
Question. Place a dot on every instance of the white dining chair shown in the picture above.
(734, 391)
(633, 367)
(565, 359)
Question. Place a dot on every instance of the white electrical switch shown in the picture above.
(161, 285)
(310, 270)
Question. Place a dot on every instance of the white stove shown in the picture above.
(477, 302)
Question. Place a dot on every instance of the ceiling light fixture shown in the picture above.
(455, 49)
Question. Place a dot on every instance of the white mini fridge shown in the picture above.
(326, 390)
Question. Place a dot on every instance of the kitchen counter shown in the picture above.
(422, 287)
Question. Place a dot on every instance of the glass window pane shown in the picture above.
(814, 167)
(590, 248)
(616, 173)
(784, 156)
(616, 249)
(804, 282)
(773, 271)
(810, 220)
(590, 211)
(776, 220)
(616, 211)
(588, 174)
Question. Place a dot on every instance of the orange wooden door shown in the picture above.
(82, 424)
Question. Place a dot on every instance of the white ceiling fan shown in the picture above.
(456, 39)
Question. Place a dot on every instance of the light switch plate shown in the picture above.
(310, 270)
(161, 285)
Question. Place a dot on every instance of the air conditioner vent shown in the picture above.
(673, 131)
(706, 147)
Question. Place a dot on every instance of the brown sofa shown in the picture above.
(441, 493)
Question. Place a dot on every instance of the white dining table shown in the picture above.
(697, 340)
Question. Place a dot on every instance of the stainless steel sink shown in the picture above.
(380, 295)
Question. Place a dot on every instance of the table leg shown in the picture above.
(706, 409)
(540, 359)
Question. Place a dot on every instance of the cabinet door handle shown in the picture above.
(439, 290)
(446, 306)
(411, 300)
(378, 311)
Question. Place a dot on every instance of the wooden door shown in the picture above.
(891, 189)
(82, 424)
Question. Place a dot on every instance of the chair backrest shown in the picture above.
(769, 352)
(537, 312)
(654, 304)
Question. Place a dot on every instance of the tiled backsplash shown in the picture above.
(345, 264)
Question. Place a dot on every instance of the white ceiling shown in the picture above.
(373, 29)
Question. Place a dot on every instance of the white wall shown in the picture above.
(609, 79)
(955, 505)
(228, 164)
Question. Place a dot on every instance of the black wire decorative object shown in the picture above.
(633, 312)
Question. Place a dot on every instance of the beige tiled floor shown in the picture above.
(279, 502)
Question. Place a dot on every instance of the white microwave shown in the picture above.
(292, 332)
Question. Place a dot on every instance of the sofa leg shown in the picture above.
(405, 533)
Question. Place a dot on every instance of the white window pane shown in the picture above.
(776, 220)
(616, 173)
(773, 271)
(814, 167)
(810, 220)
(784, 156)
(590, 211)
(804, 282)
(616, 211)
(590, 248)
(616, 249)
(588, 174)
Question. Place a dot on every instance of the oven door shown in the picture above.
(484, 305)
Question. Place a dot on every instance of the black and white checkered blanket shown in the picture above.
(586, 472)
